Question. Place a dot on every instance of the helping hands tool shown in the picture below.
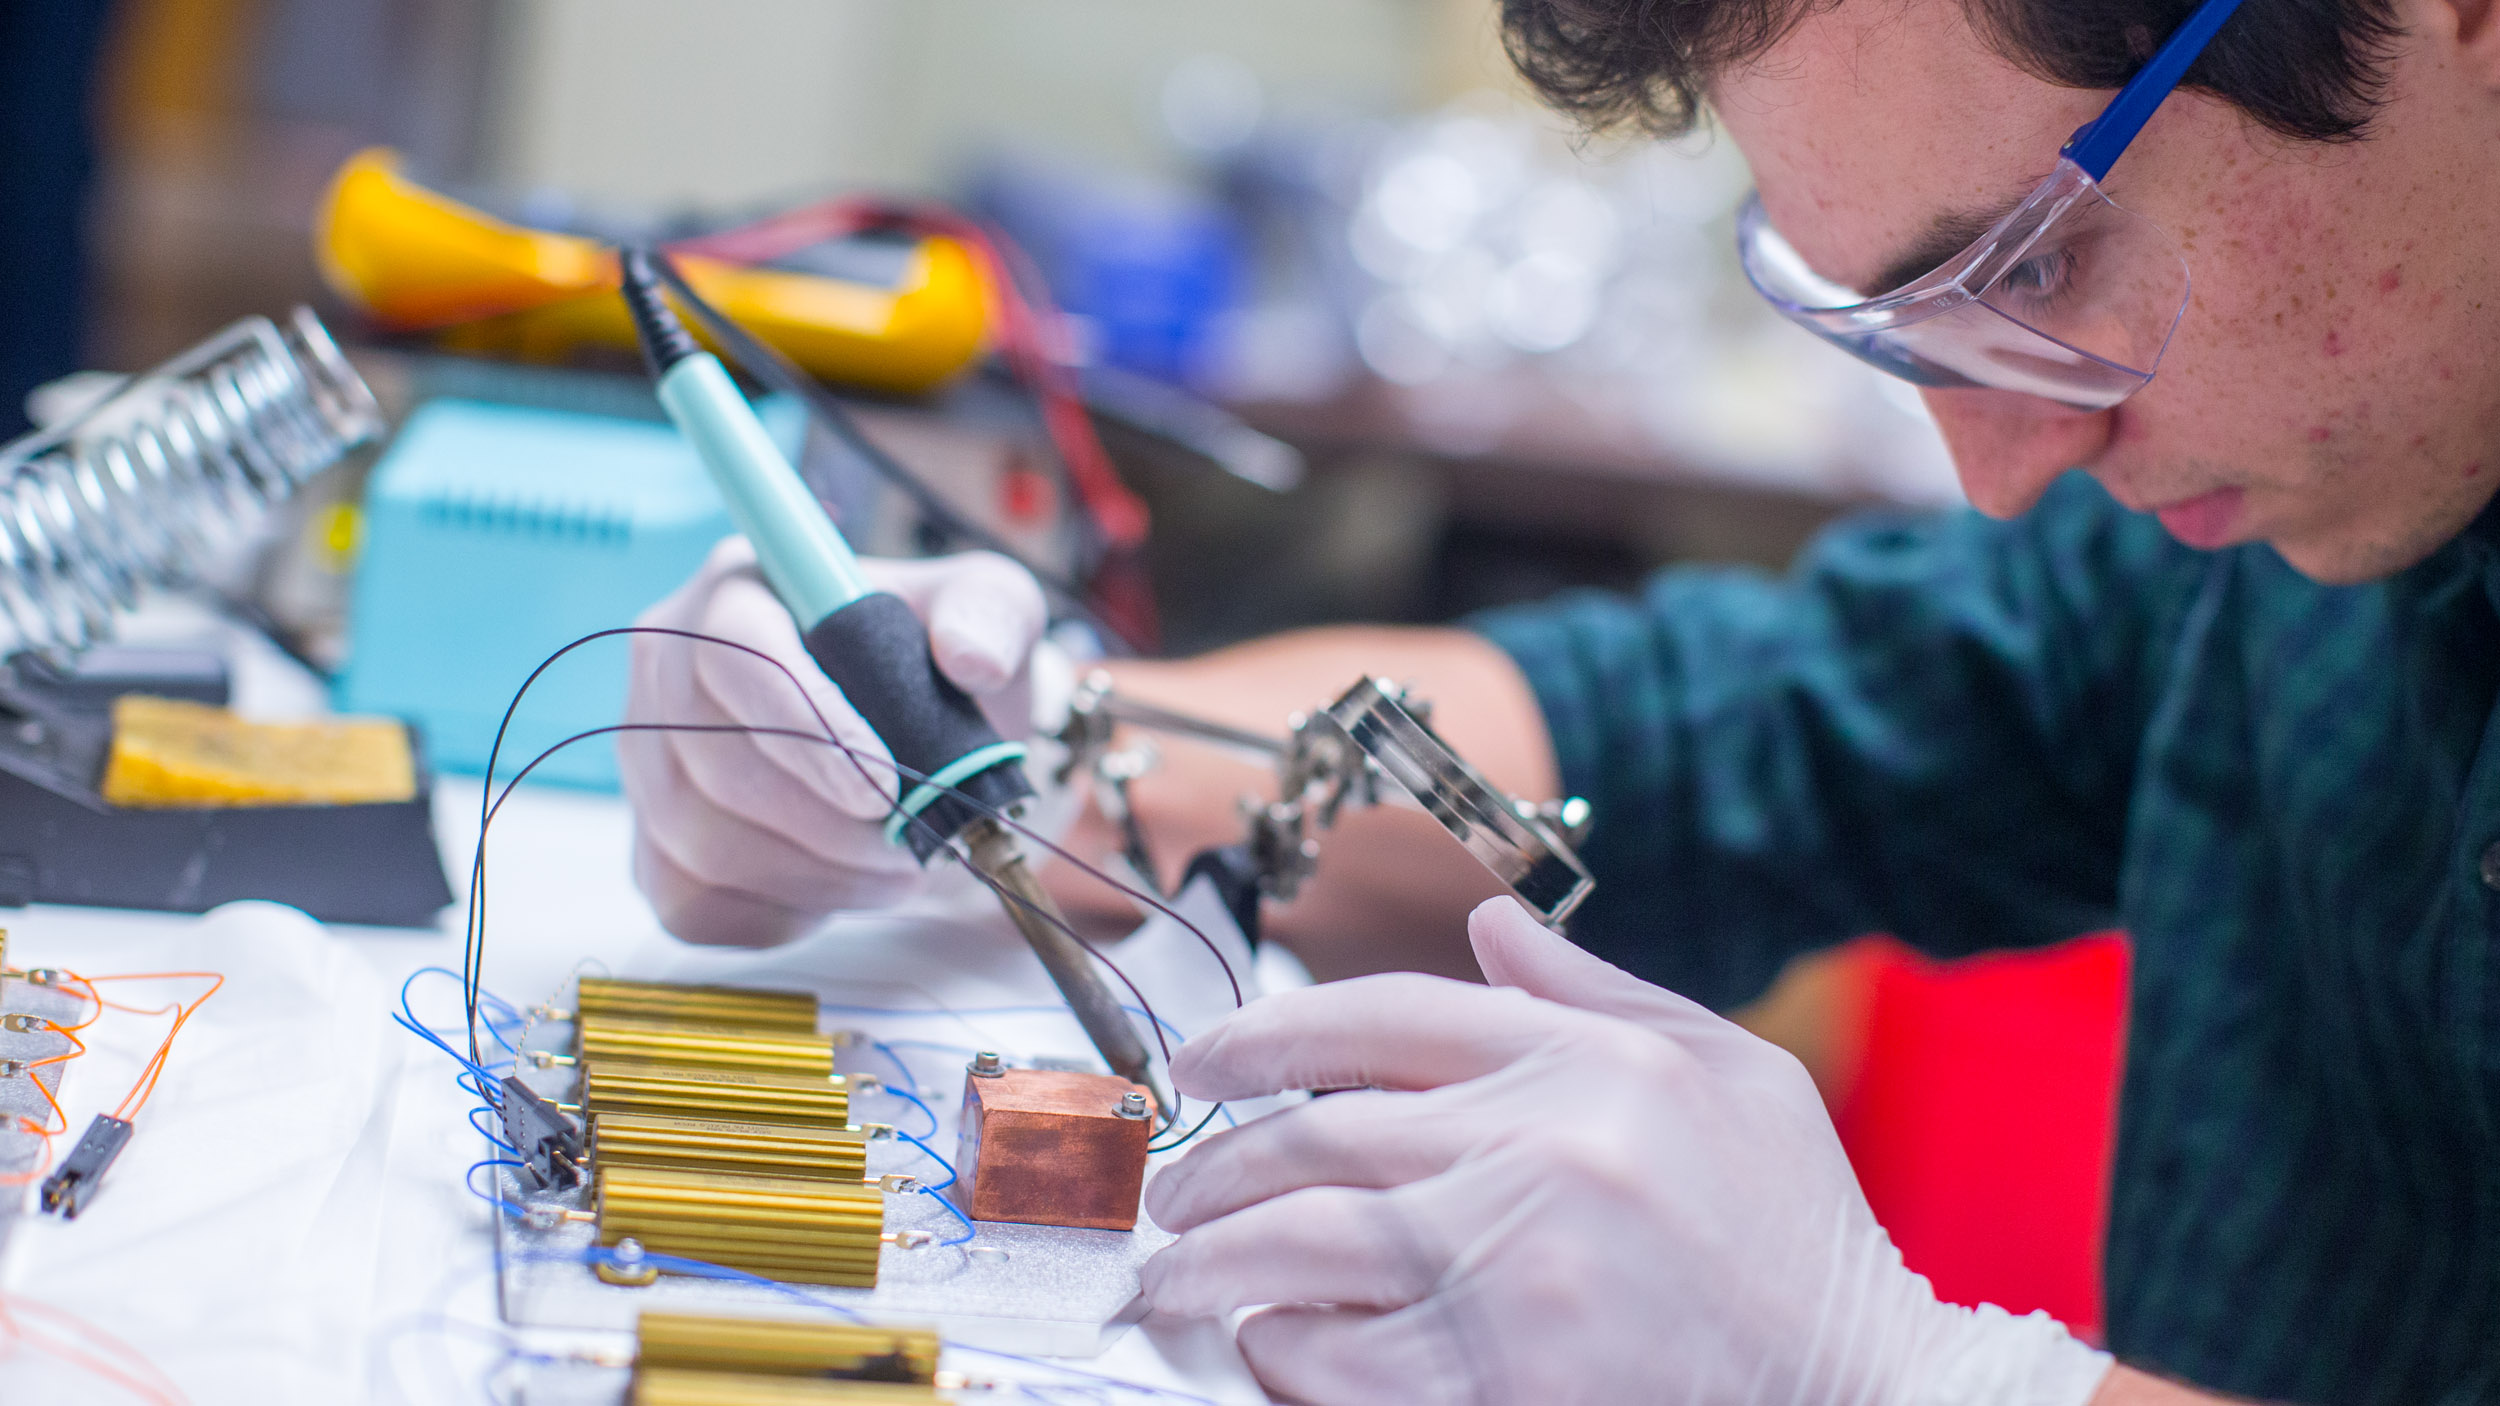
(872, 646)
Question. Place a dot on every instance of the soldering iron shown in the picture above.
(959, 774)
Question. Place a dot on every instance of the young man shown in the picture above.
(2229, 686)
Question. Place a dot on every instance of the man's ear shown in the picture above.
(2471, 30)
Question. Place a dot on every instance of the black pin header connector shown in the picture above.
(68, 1190)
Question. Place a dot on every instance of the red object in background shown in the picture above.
(1981, 1113)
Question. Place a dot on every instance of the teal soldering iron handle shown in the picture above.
(868, 642)
(961, 773)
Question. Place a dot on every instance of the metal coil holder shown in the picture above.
(153, 482)
(669, 1091)
(739, 1007)
(743, 1149)
(785, 1347)
(788, 1228)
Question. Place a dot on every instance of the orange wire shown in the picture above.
(144, 1088)
(95, 1015)
(66, 1033)
(162, 1391)
(29, 1125)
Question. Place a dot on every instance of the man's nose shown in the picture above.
(2009, 447)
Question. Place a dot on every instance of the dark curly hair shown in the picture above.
(2305, 68)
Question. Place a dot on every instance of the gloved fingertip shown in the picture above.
(1506, 938)
(1167, 1199)
(976, 660)
(1160, 1283)
(1197, 1067)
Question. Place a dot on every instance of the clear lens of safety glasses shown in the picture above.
(2069, 298)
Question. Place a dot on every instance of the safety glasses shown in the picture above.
(2069, 298)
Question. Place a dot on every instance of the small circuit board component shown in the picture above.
(170, 752)
(1045, 1147)
(743, 1007)
(745, 1149)
(71, 1186)
(797, 1229)
(684, 1359)
(547, 1142)
(675, 1386)
(780, 1347)
(676, 1091)
(759, 1050)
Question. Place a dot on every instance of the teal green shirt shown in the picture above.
(1981, 734)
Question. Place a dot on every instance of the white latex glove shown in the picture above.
(751, 840)
(1580, 1188)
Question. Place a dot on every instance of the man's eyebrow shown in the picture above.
(1946, 235)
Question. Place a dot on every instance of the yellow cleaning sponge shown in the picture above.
(170, 753)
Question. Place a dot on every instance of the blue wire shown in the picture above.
(469, 1179)
(484, 1075)
(933, 1156)
(1166, 1025)
(490, 1134)
(484, 1091)
(413, 1023)
(705, 1269)
(952, 1210)
(915, 1101)
(896, 1060)
(926, 1045)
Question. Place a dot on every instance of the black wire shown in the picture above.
(766, 363)
(1004, 893)
(489, 801)
(1151, 1148)
(751, 730)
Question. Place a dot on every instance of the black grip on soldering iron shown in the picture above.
(878, 651)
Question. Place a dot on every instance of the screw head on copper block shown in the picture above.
(1132, 1104)
(986, 1065)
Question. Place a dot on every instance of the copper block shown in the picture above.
(1049, 1148)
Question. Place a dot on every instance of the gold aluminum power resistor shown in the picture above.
(711, 1145)
(789, 1228)
(786, 1347)
(630, 1038)
(726, 1095)
(677, 1386)
(744, 1007)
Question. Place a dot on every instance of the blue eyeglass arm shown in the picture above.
(2096, 144)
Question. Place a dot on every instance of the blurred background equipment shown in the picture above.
(122, 780)
(163, 477)
(889, 310)
(48, 72)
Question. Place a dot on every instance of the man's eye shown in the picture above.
(2040, 278)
